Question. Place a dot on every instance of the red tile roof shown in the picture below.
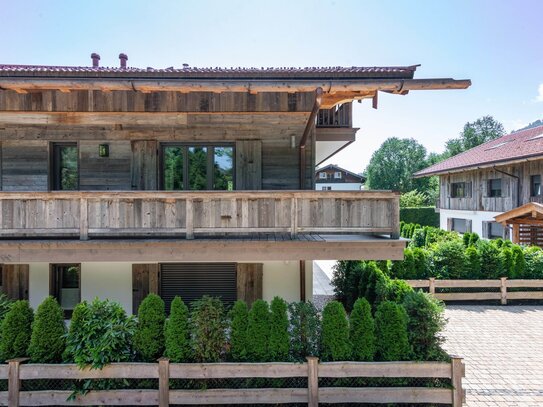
(512, 147)
(311, 72)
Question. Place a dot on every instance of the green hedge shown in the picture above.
(425, 216)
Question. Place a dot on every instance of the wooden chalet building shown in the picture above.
(117, 182)
(479, 185)
(334, 178)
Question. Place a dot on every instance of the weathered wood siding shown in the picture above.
(479, 179)
(105, 173)
(25, 166)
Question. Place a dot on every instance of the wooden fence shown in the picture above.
(16, 372)
(502, 295)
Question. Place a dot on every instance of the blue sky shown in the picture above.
(497, 44)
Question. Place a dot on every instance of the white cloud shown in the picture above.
(539, 97)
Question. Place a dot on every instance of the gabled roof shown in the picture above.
(337, 168)
(529, 213)
(522, 144)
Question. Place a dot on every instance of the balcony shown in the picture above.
(338, 116)
(31, 219)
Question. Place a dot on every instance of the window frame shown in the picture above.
(454, 194)
(490, 191)
(466, 225)
(532, 185)
(54, 165)
(209, 163)
(322, 175)
(338, 175)
(54, 284)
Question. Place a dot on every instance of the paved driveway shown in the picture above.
(503, 350)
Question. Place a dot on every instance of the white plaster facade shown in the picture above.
(477, 218)
(339, 186)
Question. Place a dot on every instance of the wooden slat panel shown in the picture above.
(418, 283)
(238, 396)
(3, 372)
(15, 281)
(72, 371)
(467, 283)
(95, 397)
(248, 165)
(236, 370)
(525, 295)
(144, 164)
(385, 369)
(468, 296)
(525, 283)
(249, 282)
(385, 395)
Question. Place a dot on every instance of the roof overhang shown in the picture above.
(530, 213)
(331, 140)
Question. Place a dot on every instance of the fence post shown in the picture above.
(312, 381)
(189, 219)
(14, 383)
(503, 289)
(457, 372)
(163, 382)
(432, 285)
(83, 219)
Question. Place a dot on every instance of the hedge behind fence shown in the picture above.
(424, 216)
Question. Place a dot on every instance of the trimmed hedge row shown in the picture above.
(425, 216)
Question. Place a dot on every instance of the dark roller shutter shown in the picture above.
(191, 281)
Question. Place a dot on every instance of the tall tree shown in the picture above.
(475, 133)
(393, 164)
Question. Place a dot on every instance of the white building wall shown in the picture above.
(282, 278)
(477, 218)
(107, 280)
(38, 283)
(345, 186)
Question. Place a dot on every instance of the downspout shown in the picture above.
(518, 182)
(308, 127)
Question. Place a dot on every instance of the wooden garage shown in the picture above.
(526, 222)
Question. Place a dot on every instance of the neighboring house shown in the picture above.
(118, 182)
(334, 178)
(495, 177)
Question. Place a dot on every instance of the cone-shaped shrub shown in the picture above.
(5, 306)
(258, 332)
(304, 331)
(362, 331)
(239, 315)
(208, 327)
(473, 259)
(279, 343)
(506, 262)
(335, 344)
(519, 262)
(149, 338)
(177, 332)
(391, 331)
(16, 331)
(48, 333)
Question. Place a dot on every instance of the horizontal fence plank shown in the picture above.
(4, 369)
(385, 395)
(236, 370)
(525, 283)
(3, 398)
(418, 283)
(136, 231)
(385, 369)
(525, 295)
(95, 397)
(72, 371)
(467, 283)
(468, 296)
(238, 396)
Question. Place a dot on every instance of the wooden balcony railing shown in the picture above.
(339, 116)
(174, 214)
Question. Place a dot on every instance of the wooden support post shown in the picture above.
(395, 217)
(503, 289)
(293, 217)
(84, 219)
(312, 381)
(432, 285)
(457, 373)
(189, 219)
(302, 280)
(163, 382)
(14, 383)
(516, 233)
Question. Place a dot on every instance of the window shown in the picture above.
(326, 188)
(66, 286)
(337, 175)
(535, 185)
(322, 175)
(197, 167)
(459, 225)
(495, 188)
(495, 230)
(65, 171)
(460, 189)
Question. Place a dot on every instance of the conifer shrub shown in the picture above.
(533, 257)
(279, 342)
(519, 262)
(425, 324)
(346, 281)
(473, 262)
(47, 342)
(304, 330)
(419, 238)
(5, 306)
(177, 333)
(335, 344)
(149, 337)
(391, 332)
(404, 268)
(372, 284)
(16, 330)
(506, 262)
(397, 290)
(239, 316)
(490, 262)
(258, 332)
(449, 260)
(208, 325)
(362, 331)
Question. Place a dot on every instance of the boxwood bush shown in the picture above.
(391, 332)
(48, 341)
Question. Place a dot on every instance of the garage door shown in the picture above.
(191, 281)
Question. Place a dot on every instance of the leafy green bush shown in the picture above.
(397, 290)
(346, 281)
(16, 330)
(5, 306)
(420, 263)
(335, 344)
(149, 337)
(490, 262)
(279, 343)
(425, 324)
(177, 333)
(425, 216)
(208, 329)
(404, 268)
(448, 260)
(391, 332)
(533, 257)
(304, 330)
(239, 316)
(362, 331)
(100, 333)
(47, 342)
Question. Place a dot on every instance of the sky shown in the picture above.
(497, 44)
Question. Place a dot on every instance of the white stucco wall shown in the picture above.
(107, 280)
(477, 218)
(38, 283)
(282, 278)
(347, 186)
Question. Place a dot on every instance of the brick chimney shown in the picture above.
(95, 60)
(123, 58)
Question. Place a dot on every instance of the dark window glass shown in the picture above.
(458, 190)
(495, 230)
(173, 168)
(459, 225)
(66, 288)
(197, 168)
(65, 167)
(535, 185)
(223, 167)
(495, 188)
